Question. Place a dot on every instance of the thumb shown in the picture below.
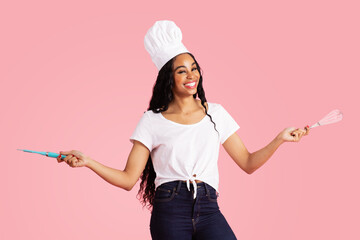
(65, 152)
(291, 129)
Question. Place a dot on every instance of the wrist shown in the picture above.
(89, 162)
(279, 139)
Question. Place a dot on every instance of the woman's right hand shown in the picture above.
(74, 158)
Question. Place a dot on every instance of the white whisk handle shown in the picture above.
(315, 125)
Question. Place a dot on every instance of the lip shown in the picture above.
(191, 82)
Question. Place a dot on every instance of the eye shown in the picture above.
(184, 71)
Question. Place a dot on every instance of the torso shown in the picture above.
(190, 118)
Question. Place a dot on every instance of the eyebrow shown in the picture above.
(182, 66)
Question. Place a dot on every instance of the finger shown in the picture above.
(294, 132)
(76, 163)
(71, 163)
(305, 130)
(70, 160)
(59, 158)
(300, 135)
(75, 153)
(303, 133)
(300, 132)
(66, 152)
(296, 136)
(73, 160)
(67, 158)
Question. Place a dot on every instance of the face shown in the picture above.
(185, 73)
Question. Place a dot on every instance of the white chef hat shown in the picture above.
(163, 42)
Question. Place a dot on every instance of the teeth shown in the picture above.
(190, 84)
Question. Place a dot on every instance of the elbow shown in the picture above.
(128, 187)
(250, 171)
(128, 183)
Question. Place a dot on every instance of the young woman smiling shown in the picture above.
(176, 147)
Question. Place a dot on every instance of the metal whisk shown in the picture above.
(332, 117)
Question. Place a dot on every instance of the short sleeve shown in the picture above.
(228, 125)
(142, 132)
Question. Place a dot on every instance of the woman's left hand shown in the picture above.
(292, 134)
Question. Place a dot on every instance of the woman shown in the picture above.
(176, 147)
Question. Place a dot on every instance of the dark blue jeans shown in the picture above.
(176, 215)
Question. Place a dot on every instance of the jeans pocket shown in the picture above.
(212, 194)
(164, 194)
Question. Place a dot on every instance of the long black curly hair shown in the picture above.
(161, 97)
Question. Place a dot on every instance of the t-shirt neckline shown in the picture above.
(180, 124)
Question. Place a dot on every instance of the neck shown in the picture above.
(184, 105)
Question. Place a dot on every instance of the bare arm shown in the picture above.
(127, 178)
(258, 158)
(235, 147)
(291, 134)
(250, 162)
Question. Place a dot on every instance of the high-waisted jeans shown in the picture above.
(177, 215)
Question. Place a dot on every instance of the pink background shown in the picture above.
(76, 75)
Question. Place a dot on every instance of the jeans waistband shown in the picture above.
(178, 184)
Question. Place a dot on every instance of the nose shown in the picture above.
(190, 75)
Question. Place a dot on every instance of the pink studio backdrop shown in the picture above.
(76, 75)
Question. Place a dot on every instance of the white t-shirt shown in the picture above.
(185, 151)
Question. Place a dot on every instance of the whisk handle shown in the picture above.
(315, 125)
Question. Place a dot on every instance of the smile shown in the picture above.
(190, 85)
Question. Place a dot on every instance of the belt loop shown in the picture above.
(178, 187)
(207, 189)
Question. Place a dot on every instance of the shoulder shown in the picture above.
(151, 116)
(148, 114)
(213, 107)
(210, 106)
(145, 117)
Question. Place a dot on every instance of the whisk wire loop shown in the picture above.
(332, 117)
